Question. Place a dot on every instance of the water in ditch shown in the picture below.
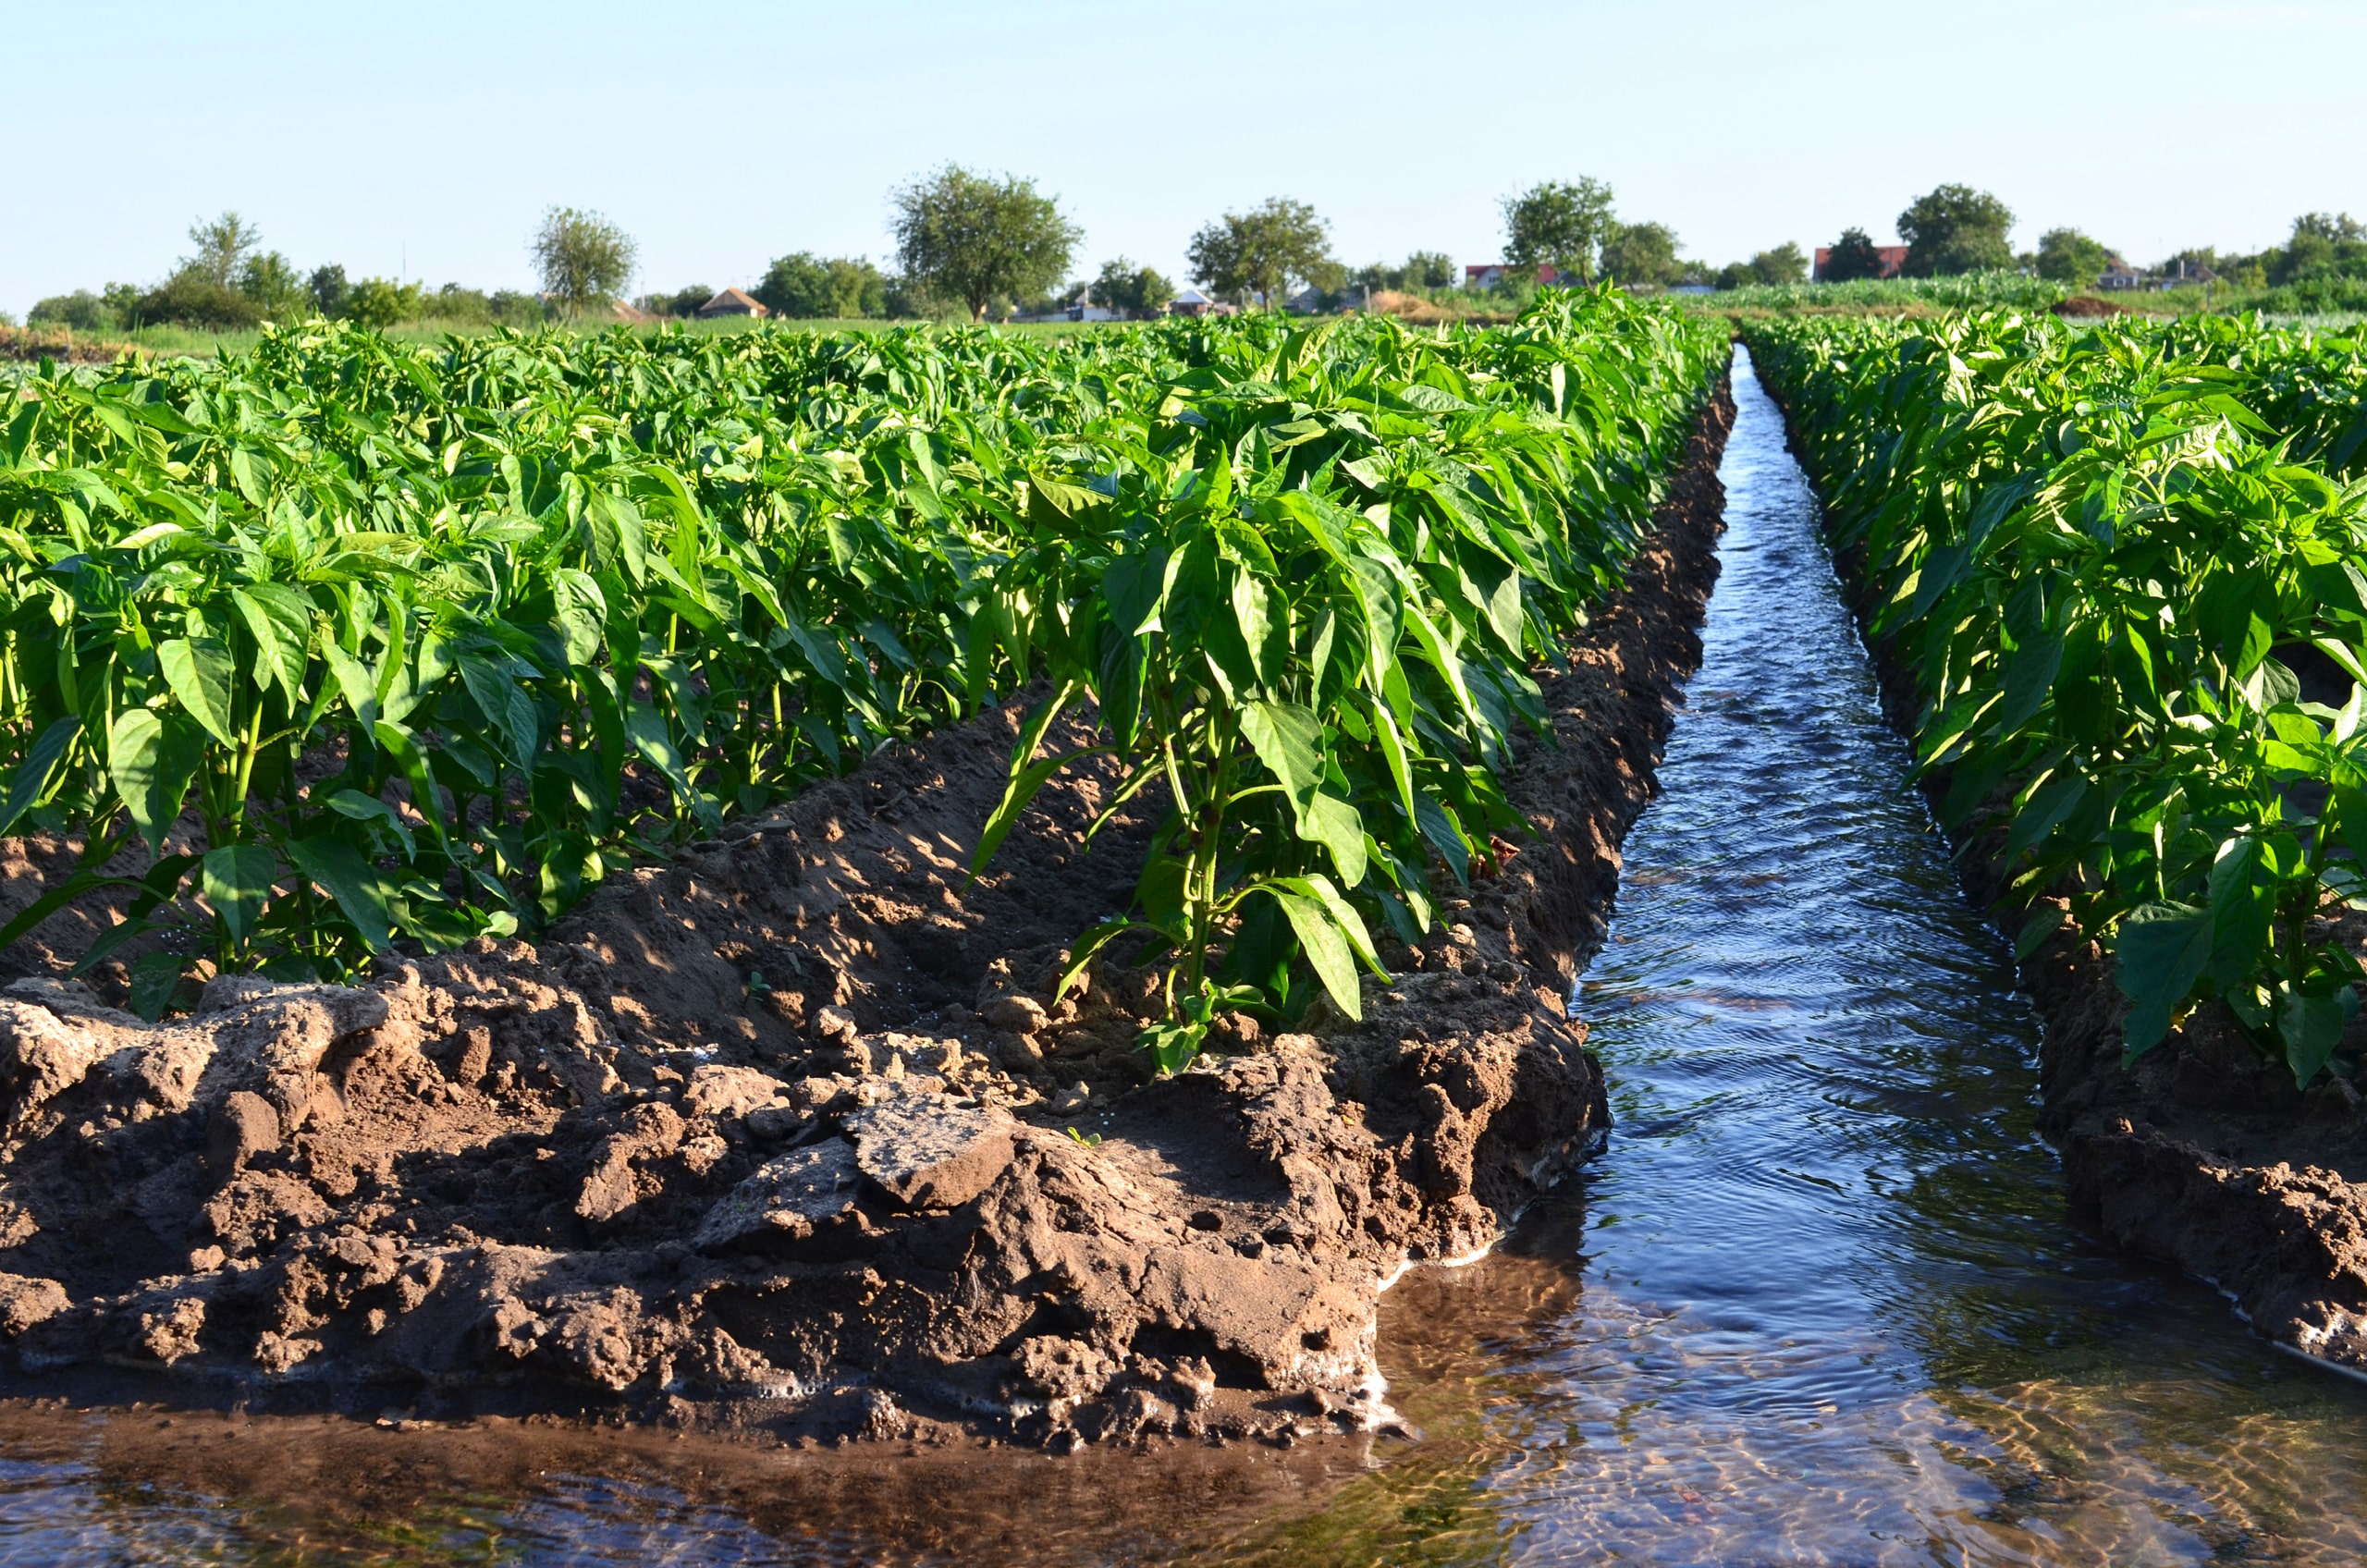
(1819, 1303)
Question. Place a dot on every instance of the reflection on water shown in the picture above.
(1817, 1304)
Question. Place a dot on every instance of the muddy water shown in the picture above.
(1820, 1301)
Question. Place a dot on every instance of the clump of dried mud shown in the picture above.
(792, 1135)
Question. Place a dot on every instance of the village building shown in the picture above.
(1487, 274)
(1893, 258)
(733, 303)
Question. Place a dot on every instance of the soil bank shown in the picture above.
(789, 1137)
(2202, 1154)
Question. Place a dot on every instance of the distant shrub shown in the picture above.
(188, 298)
(82, 311)
(377, 303)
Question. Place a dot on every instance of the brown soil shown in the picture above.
(790, 1135)
(2087, 305)
(2203, 1154)
(60, 344)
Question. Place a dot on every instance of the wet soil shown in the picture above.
(2203, 1153)
(789, 1137)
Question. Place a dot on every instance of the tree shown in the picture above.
(1853, 256)
(1131, 290)
(2066, 255)
(2323, 244)
(1952, 229)
(1430, 269)
(275, 286)
(188, 298)
(584, 259)
(980, 238)
(812, 287)
(82, 311)
(221, 246)
(329, 289)
(1263, 250)
(680, 303)
(380, 303)
(1640, 253)
(1559, 226)
(1785, 263)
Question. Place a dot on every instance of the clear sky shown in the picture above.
(426, 139)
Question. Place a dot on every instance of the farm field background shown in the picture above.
(561, 600)
(977, 784)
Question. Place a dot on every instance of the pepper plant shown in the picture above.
(2109, 577)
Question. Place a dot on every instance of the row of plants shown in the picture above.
(2133, 609)
(2309, 384)
(367, 643)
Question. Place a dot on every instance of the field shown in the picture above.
(2123, 563)
(554, 604)
(30, 343)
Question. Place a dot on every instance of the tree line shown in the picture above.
(988, 246)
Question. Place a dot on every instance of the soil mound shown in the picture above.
(790, 1134)
(2087, 305)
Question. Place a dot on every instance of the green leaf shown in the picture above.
(1028, 773)
(280, 619)
(2045, 811)
(2161, 952)
(505, 705)
(359, 807)
(155, 978)
(2312, 1024)
(2044, 923)
(1326, 948)
(353, 681)
(336, 867)
(2029, 676)
(237, 879)
(2243, 906)
(30, 780)
(1089, 948)
(1333, 823)
(1255, 614)
(199, 671)
(1288, 739)
(153, 757)
(1343, 916)
(1132, 585)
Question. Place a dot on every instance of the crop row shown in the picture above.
(2133, 609)
(367, 643)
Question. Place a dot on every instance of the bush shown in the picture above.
(190, 299)
(682, 303)
(330, 288)
(277, 288)
(82, 311)
(376, 303)
(810, 287)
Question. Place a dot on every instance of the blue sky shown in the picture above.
(425, 139)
